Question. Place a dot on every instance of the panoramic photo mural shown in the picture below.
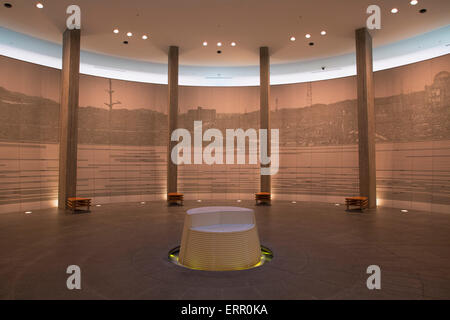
(122, 150)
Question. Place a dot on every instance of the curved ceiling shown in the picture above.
(250, 23)
(35, 35)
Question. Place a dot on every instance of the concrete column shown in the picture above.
(264, 109)
(69, 117)
(366, 116)
(172, 170)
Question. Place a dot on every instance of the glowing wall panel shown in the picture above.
(318, 140)
(122, 140)
(29, 119)
(413, 135)
(219, 108)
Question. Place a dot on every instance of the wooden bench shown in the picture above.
(262, 198)
(74, 203)
(361, 202)
(175, 198)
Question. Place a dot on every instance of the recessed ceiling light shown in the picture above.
(28, 212)
(292, 39)
(414, 2)
(394, 10)
(129, 34)
(239, 200)
(311, 44)
(307, 36)
(8, 5)
(116, 30)
(39, 5)
(142, 202)
(145, 37)
(233, 44)
(205, 43)
(199, 200)
(125, 42)
(294, 202)
(423, 10)
(404, 211)
(98, 205)
(219, 44)
(337, 204)
(323, 32)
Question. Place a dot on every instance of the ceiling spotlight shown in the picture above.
(145, 37)
(414, 2)
(233, 44)
(125, 42)
(199, 200)
(404, 211)
(205, 43)
(28, 212)
(8, 5)
(311, 44)
(142, 202)
(307, 36)
(116, 31)
(292, 39)
(129, 34)
(323, 32)
(394, 10)
(219, 44)
(423, 10)
(39, 5)
(239, 200)
(98, 205)
(294, 202)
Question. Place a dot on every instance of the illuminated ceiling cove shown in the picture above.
(35, 35)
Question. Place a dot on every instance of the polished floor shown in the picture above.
(320, 252)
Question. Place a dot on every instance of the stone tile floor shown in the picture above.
(320, 252)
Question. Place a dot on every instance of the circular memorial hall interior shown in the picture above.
(233, 149)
